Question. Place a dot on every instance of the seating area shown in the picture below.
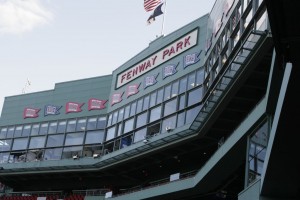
(18, 198)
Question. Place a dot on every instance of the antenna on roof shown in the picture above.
(25, 88)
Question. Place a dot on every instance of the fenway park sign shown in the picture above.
(153, 61)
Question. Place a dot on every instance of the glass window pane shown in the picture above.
(167, 94)
(93, 137)
(43, 129)
(18, 131)
(153, 99)
(110, 133)
(35, 129)
(53, 154)
(52, 127)
(10, 132)
(4, 157)
(180, 119)
(139, 105)
(174, 89)
(128, 126)
(101, 122)
(3, 133)
(181, 102)
(69, 152)
(120, 129)
(37, 142)
(26, 130)
(153, 130)
(55, 140)
(126, 141)
(20, 144)
(61, 127)
(133, 109)
(195, 96)
(109, 121)
(155, 114)
(191, 83)
(92, 123)
(141, 120)
(170, 107)
(182, 85)
(71, 125)
(127, 111)
(199, 77)
(160, 94)
(168, 124)
(81, 123)
(191, 114)
(115, 117)
(140, 135)
(5, 145)
(74, 138)
(146, 103)
(121, 114)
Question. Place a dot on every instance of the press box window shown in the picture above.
(52, 127)
(55, 140)
(92, 123)
(110, 133)
(93, 137)
(170, 107)
(37, 142)
(20, 144)
(101, 122)
(26, 130)
(18, 131)
(61, 127)
(81, 123)
(74, 138)
(43, 129)
(35, 129)
(155, 114)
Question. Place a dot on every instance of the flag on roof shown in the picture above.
(150, 4)
(155, 13)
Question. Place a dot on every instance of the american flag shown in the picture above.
(150, 4)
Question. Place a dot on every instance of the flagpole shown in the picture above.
(163, 22)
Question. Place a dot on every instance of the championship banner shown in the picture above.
(116, 98)
(96, 104)
(73, 107)
(150, 80)
(133, 89)
(191, 59)
(169, 70)
(31, 112)
(51, 110)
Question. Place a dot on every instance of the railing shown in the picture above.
(155, 183)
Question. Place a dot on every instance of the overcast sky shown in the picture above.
(53, 41)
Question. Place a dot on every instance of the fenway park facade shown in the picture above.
(209, 111)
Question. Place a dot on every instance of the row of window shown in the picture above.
(163, 110)
(165, 93)
(62, 126)
(97, 136)
(49, 147)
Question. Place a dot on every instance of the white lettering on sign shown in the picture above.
(153, 61)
